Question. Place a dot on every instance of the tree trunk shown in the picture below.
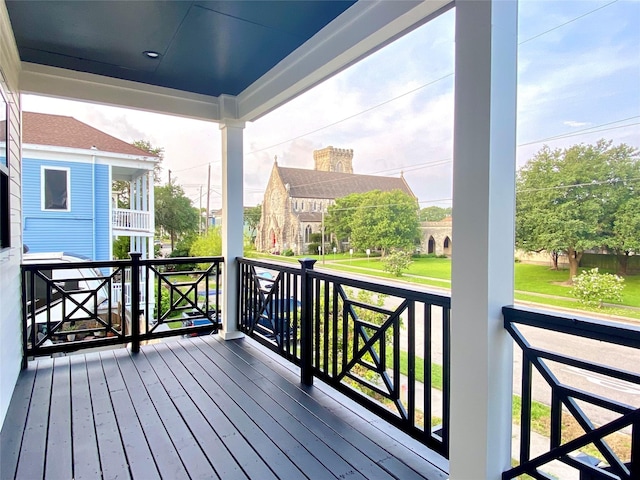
(554, 259)
(623, 261)
(574, 262)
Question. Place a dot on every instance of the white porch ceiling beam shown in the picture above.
(361, 30)
(69, 84)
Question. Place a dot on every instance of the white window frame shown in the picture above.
(44, 168)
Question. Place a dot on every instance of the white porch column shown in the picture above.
(483, 232)
(232, 224)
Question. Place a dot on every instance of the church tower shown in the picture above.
(331, 159)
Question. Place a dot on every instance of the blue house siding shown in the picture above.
(73, 231)
(103, 219)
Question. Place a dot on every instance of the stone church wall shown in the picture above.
(440, 235)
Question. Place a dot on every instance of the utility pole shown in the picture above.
(206, 228)
(322, 228)
(200, 213)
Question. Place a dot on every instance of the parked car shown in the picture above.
(64, 300)
(276, 318)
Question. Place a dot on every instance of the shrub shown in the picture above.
(396, 262)
(288, 253)
(592, 287)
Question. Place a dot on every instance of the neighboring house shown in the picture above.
(296, 198)
(68, 169)
(215, 220)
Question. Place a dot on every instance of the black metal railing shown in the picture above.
(579, 379)
(385, 346)
(69, 306)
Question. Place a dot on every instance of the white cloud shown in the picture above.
(573, 123)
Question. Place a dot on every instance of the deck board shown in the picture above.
(59, 459)
(86, 461)
(194, 408)
(34, 441)
(110, 449)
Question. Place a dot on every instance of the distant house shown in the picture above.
(68, 169)
(296, 198)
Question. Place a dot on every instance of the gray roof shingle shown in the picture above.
(305, 183)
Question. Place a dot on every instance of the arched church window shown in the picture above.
(307, 234)
(339, 167)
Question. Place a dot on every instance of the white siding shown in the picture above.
(10, 316)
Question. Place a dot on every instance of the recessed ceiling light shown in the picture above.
(151, 54)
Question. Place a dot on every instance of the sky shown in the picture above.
(578, 82)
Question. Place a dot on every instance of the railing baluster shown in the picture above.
(428, 369)
(525, 410)
(307, 322)
(135, 301)
(411, 367)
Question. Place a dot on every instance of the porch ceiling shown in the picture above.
(223, 59)
(207, 47)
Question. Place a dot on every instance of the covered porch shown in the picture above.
(163, 401)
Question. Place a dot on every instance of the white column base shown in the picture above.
(234, 335)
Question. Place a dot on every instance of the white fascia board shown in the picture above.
(9, 57)
(361, 30)
(72, 85)
(79, 155)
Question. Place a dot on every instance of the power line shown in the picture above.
(419, 87)
(568, 22)
(586, 131)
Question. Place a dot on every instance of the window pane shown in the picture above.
(55, 190)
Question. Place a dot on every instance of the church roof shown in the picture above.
(304, 183)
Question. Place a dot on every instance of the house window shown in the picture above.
(5, 210)
(55, 189)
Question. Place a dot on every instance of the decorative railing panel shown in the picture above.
(384, 346)
(135, 220)
(593, 393)
(74, 306)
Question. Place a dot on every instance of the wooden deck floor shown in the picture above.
(194, 408)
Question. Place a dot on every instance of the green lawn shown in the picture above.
(532, 282)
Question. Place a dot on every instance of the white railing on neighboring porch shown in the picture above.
(125, 219)
(116, 292)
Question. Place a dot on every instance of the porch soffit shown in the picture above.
(219, 60)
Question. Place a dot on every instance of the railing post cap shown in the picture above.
(135, 254)
(307, 262)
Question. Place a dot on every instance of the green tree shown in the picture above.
(626, 233)
(174, 212)
(252, 217)
(207, 245)
(385, 220)
(339, 217)
(434, 214)
(567, 199)
(121, 248)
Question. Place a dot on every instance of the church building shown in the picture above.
(296, 198)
